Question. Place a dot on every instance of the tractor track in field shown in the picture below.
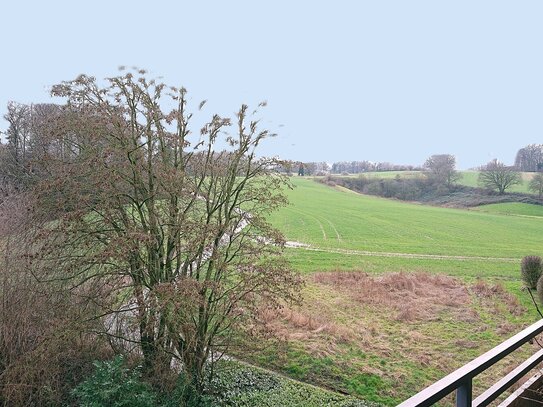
(332, 226)
(314, 218)
(302, 246)
(335, 230)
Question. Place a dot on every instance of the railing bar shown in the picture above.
(499, 387)
(464, 394)
(451, 382)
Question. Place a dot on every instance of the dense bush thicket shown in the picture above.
(531, 271)
(421, 189)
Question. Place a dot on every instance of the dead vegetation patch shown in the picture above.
(415, 297)
(318, 332)
(496, 292)
(410, 296)
(398, 320)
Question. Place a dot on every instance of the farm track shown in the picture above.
(335, 230)
(404, 255)
(316, 219)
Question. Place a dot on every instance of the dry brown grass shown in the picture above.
(484, 290)
(434, 322)
(318, 332)
(411, 296)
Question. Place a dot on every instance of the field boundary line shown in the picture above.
(404, 255)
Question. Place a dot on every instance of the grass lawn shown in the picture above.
(513, 208)
(398, 295)
(329, 218)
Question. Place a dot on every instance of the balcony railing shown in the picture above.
(461, 380)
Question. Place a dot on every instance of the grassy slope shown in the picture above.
(318, 214)
(513, 208)
(327, 218)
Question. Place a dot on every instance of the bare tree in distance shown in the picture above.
(18, 129)
(172, 226)
(529, 158)
(441, 170)
(25, 142)
(536, 184)
(497, 176)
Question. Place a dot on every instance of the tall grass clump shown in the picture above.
(530, 269)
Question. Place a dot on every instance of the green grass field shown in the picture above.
(513, 209)
(356, 341)
(329, 218)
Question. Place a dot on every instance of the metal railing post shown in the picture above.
(464, 394)
(461, 379)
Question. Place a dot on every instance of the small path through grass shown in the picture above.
(302, 246)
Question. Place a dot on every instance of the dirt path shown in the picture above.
(302, 246)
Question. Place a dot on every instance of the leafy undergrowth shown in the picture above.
(233, 383)
(382, 338)
(240, 385)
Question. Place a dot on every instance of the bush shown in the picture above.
(540, 289)
(112, 384)
(46, 347)
(530, 269)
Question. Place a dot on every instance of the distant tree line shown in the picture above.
(26, 143)
(438, 183)
(530, 158)
(357, 167)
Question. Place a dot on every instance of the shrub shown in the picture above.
(530, 269)
(46, 344)
(113, 384)
(540, 289)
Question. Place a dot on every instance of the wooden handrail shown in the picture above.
(461, 379)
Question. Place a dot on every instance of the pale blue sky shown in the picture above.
(349, 80)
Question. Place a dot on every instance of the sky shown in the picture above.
(382, 80)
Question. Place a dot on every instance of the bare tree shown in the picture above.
(529, 158)
(171, 224)
(441, 170)
(18, 130)
(536, 184)
(19, 162)
(498, 176)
